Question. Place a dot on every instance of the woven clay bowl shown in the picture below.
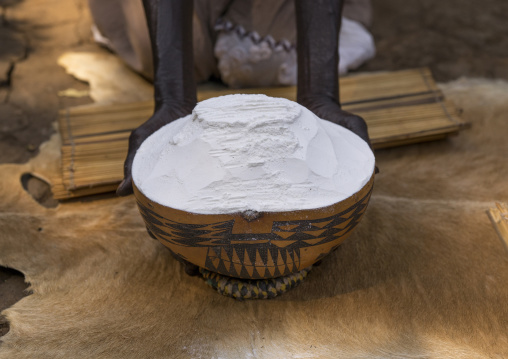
(254, 245)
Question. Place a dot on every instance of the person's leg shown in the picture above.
(170, 27)
(318, 24)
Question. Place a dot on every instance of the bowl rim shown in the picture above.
(197, 218)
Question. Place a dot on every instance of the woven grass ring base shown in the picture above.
(253, 288)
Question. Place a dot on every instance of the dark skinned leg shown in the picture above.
(170, 27)
(318, 24)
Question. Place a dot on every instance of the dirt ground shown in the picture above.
(454, 38)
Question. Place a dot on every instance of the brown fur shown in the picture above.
(423, 276)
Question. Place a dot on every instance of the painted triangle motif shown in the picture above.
(215, 262)
(247, 261)
(294, 267)
(289, 259)
(250, 270)
(296, 254)
(238, 268)
(280, 260)
(221, 268)
(255, 274)
(288, 227)
(314, 240)
(268, 274)
(286, 270)
(349, 213)
(343, 224)
(217, 251)
(211, 253)
(244, 273)
(269, 260)
(232, 271)
(240, 254)
(315, 233)
(282, 244)
(322, 224)
(224, 255)
(277, 272)
(227, 265)
(234, 257)
(259, 260)
(284, 235)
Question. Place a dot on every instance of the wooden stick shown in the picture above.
(499, 218)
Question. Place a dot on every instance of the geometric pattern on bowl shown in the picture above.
(273, 244)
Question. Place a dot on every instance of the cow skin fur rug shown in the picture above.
(423, 276)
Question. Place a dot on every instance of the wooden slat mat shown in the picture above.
(400, 108)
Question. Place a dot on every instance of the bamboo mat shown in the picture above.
(400, 108)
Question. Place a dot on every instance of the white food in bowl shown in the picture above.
(251, 152)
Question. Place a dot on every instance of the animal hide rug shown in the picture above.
(423, 276)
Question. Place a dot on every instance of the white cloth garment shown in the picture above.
(247, 60)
